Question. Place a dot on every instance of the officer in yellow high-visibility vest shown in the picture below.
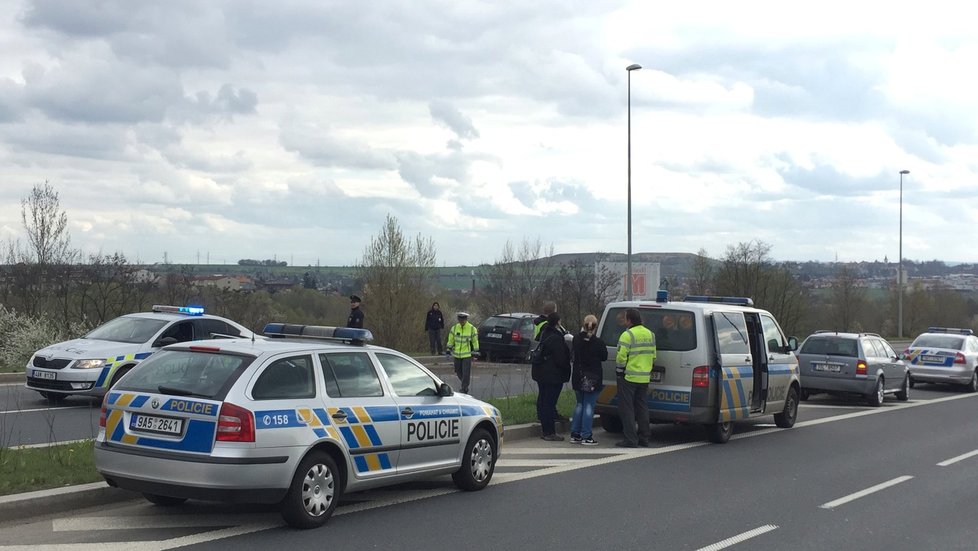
(463, 342)
(633, 366)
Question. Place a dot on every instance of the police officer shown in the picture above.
(356, 314)
(633, 367)
(463, 342)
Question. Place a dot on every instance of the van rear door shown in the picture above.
(736, 376)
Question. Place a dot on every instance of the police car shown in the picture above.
(718, 360)
(92, 364)
(944, 355)
(297, 419)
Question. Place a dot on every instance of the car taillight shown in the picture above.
(516, 336)
(860, 367)
(101, 417)
(235, 424)
(701, 376)
(959, 358)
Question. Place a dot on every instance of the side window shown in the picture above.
(406, 378)
(614, 325)
(207, 328)
(870, 350)
(286, 378)
(887, 350)
(350, 375)
(731, 333)
(772, 335)
(182, 331)
(673, 329)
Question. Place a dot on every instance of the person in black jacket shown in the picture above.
(434, 322)
(551, 373)
(356, 314)
(587, 379)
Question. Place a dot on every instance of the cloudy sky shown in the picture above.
(236, 129)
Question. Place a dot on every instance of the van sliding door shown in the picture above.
(736, 377)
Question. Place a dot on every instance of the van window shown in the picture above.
(772, 335)
(673, 329)
(732, 332)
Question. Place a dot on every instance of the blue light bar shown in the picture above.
(345, 334)
(950, 330)
(188, 310)
(737, 301)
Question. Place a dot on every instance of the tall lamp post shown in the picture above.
(900, 265)
(628, 281)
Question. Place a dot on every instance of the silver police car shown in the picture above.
(298, 419)
(945, 355)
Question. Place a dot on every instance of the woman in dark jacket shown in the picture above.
(433, 324)
(551, 373)
(587, 380)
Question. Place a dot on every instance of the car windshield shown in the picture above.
(830, 346)
(501, 321)
(127, 329)
(186, 373)
(949, 342)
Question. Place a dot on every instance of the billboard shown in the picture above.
(645, 279)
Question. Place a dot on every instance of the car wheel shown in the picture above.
(876, 398)
(786, 419)
(912, 383)
(478, 462)
(314, 493)
(118, 375)
(904, 393)
(611, 423)
(972, 385)
(804, 395)
(164, 501)
(719, 433)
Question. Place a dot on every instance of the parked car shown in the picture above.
(863, 364)
(508, 336)
(298, 419)
(944, 355)
(92, 364)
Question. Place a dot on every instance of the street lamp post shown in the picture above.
(900, 265)
(628, 281)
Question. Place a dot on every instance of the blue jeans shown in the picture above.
(583, 417)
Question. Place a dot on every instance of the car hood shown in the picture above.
(87, 349)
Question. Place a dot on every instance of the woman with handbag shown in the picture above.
(586, 379)
(550, 370)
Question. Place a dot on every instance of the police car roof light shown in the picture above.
(345, 334)
(662, 295)
(189, 310)
(738, 301)
(950, 330)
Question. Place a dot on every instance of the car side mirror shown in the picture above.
(792, 344)
(445, 390)
(165, 341)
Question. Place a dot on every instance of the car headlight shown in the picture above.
(88, 364)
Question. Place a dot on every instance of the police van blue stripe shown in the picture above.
(380, 414)
(198, 438)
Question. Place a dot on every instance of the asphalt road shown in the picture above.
(28, 419)
(846, 477)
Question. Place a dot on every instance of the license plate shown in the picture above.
(45, 375)
(494, 335)
(656, 376)
(929, 358)
(150, 423)
(830, 368)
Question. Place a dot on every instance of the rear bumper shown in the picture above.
(514, 350)
(829, 384)
(960, 375)
(220, 478)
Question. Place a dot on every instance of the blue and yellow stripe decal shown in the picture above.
(733, 384)
(660, 397)
(113, 361)
(372, 462)
(198, 436)
(916, 358)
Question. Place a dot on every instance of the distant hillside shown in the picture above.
(670, 264)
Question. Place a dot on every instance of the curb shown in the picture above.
(13, 377)
(26, 505)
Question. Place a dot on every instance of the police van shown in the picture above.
(91, 364)
(718, 360)
(297, 419)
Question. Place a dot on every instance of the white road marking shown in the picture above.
(549, 462)
(172, 520)
(569, 450)
(828, 406)
(739, 538)
(866, 492)
(954, 460)
(49, 444)
(43, 409)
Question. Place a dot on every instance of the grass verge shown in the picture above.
(27, 470)
(517, 410)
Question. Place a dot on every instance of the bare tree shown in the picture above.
(396, 273)
(46, 224)
(519, 280)
(581, 289)
(701, 276)
(848, 299)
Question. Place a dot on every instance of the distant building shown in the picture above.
(225, 283)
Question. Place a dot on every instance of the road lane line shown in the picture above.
(954, 460)
(739, 538)
(866, 492)
(43, 409)
(49, 444)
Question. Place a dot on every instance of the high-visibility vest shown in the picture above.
(636, 352)
(463, 340)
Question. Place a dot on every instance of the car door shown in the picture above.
(363, 413)
(892, 365)
(736, 376)
(287, 406)
(781, 364)
(430, 425)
